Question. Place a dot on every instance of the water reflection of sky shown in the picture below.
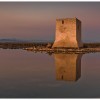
(28, 74)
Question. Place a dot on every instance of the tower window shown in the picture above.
(62, 21)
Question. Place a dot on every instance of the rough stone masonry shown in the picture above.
(68, 33)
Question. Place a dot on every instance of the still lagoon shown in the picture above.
(25, 74)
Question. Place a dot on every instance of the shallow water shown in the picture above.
(25, 74)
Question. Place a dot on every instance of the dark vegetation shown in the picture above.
(10, 45)
(91, 45)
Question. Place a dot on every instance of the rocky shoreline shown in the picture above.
(47, 47)
(59, 50)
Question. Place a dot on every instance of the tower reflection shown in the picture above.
(68, 66)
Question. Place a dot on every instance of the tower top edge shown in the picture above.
(67, 19)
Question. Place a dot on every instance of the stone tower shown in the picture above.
(68, 33)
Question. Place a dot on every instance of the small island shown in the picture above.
(67, 40)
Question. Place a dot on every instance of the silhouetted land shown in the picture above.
(47, 47)
(21, 45)
(91, 45)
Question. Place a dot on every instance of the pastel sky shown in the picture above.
(36, 20)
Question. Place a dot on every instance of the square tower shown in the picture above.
(68, 33)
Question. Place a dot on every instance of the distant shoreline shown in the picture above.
(47, 47)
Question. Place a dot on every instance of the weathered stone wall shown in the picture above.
(78, 33)
(66, 33)
(68, 66)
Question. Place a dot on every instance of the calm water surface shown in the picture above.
(25, 74)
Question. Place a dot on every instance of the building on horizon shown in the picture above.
(68, 33)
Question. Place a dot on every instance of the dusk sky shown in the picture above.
(36, 20)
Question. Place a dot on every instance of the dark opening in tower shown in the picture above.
(62, 21)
